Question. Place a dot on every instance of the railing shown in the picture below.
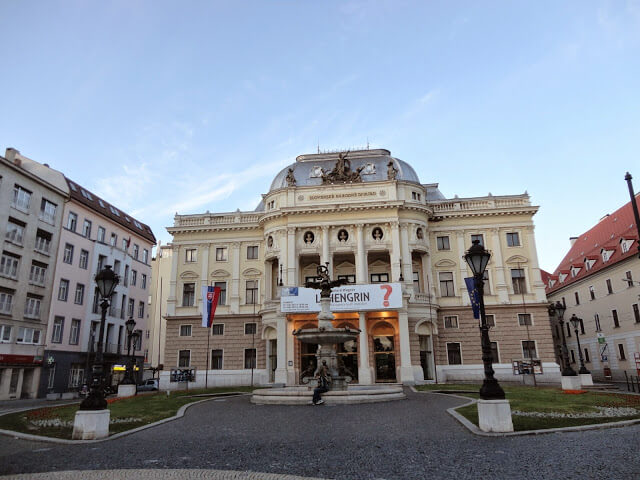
(420, 298)
(225, 219)
(632, 382)
(484, 204)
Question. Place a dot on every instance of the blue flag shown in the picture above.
(474, 295)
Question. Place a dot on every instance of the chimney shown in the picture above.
(11, 154)
(572, 240)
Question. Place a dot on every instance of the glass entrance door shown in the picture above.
(273, 360)
(425, 356)
(307, 359)
(383, 351)
(348, 359)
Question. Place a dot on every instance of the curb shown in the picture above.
(475, 430)
(179, 414)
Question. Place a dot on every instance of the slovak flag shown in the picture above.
(474, 295)
(210, 297)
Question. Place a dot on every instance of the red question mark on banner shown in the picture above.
(389, 289)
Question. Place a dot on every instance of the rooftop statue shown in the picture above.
(392, 171)
(291, 180)
(342, 172)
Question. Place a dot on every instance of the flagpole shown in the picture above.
(206, 373)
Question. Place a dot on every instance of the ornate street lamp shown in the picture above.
(575, 321)
(128, 377)
(107, 281)
(477, 258)
(567, 371)
(634, 206)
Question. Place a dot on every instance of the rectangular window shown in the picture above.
(130, 307)
(6, 301)
(495, 357)
(79, 296)
(491, 320)
(518, 281)
(217, 329)
(76, 375)
(587, 358)
(5, 333)
(216, 359)
(446, 284)
(596, 319)
(114, 240)
(63, 290)
(191, 255)
(636, 312)
(487, 285)
(577, 298)
(249, 358)
(221, 254)
(101, 233)
(479, 238)
(143, 282)
(28, 335)
(416, 281)
(84, 259)
(68, 254)
(223, 292)
(529, 349)
(140, 309)
(185, 330)
(188, 294)
(134, 277)
(125, 244)
(32, 307)
(629, 278)
(101, 262)
(249, 328)
(184, 358)
(348, 278)
(443, 243)
(15, 231)
(43, 241)
(621, 355)
(513, 239)
(616, 322)
(9, 265)
(74, 333)
(451, 321)
(568, 329)
(145, 256)
(379, 277)
(86, 229)
(21, 198)
(58, 327)
(38, 273)
(609, 287)
(573, 356)
(136, 251)
(524, 319)
(453, 354)
(72, 221)
(252, 252)
(252, 292)
(592, 292)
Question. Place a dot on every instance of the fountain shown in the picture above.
(326, 336)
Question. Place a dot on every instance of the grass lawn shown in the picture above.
(128, 413)
(546, 400)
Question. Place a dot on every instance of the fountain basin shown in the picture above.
(354, 394)
(326, 336)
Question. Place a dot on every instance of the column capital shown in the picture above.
(235, 245)
(404, 226)
(359, 226)
(291, 230)
(325, 228)
(394, 224)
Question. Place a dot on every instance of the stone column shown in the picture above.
(536, 279)
(395, 252)
(497, 262)
(325, 246)
(407, 268)
(365, 372)
(268, 280)
(173, 279)
(291, 266)
(281, 368)
(406, 371)
(204, 273)
(234, 296)
(292, 372)
(361, 255)
(462, 288)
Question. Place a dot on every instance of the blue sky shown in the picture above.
(192, 106)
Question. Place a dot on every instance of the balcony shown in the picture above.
(420, 298)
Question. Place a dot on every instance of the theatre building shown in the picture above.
(399, 245)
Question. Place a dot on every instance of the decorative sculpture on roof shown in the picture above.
(291, 180)
(392, 171)
(342, 172)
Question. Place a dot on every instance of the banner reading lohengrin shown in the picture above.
(348, 298)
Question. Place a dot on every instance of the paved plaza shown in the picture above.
(413, 438)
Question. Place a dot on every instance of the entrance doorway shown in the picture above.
(308, 361)
(348, 359)
(385, 359)
(426, 353)
(273, 360)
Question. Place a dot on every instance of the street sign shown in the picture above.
(601, 338)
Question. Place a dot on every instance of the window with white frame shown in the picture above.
(252, 252)
(479, 237)
(6, 301)
(140, 309)
(84, 259)
(56, 331)
(72, 221)
(74, 332)
(252, 292)
(491, 319)
(9, 265)
(221, 254)
(143, 281)
(250, 328)
(529, 349)
(216, 359)
(145, 256)
(38, 273)
(188, 294)
(68, 254)
(191, 255)
(5, 333)
(101, 234)
(185, 330)
(136, 251)
(223, 292)
(513, 239)
(518, 280)
(28, 335)
(524, 319)
(43, 241)
(32, 307)
(443, 243)
(446, 284)
(114, 239)
(76, 375)
(63, 290)
(379, 277)
(125, 244)
(348, 278)
(21, 198)
(86, 228)
(15, 231)
(454, 354)
(451, 321)
(134, 277)
(79, 296)
(130, 307)
(592, 292)
(184, 358)
(217, 329)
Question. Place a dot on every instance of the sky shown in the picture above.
(163, 107)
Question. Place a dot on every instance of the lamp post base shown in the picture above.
(586, 380)
(126, 390)
(494, 416)
(571, 382)
(91, 424)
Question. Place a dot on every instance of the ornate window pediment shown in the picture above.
(220, 273)
(517, 259)
(189, 275)
(377, 263)
(445, 262)
(251, 272)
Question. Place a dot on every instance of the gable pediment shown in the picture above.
(445, 262)
(189, 275)
(220, 273)
(251, 272)
(377, 263)
(517, 259)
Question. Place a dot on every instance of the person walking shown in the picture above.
(324, 379)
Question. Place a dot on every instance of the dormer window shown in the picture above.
(625, 244)
(606, 254)
(561, 277)
(551, 283)
(575, 271)
(588, 263)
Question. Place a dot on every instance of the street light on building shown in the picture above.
(567, 371)
(107, 281)
(575, 321)
(477, 258)
(128, 377)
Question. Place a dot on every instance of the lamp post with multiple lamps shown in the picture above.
(575, 321)
(567, 371)
(92, 418)
(128, 374)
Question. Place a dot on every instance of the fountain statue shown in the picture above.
(326, 336)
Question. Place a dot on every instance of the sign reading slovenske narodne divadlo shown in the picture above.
(348, 298)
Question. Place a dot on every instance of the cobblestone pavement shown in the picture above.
(413, 438)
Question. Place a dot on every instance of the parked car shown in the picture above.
(148, 385)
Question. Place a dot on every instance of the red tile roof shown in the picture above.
(104, 208)
(606, 234)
